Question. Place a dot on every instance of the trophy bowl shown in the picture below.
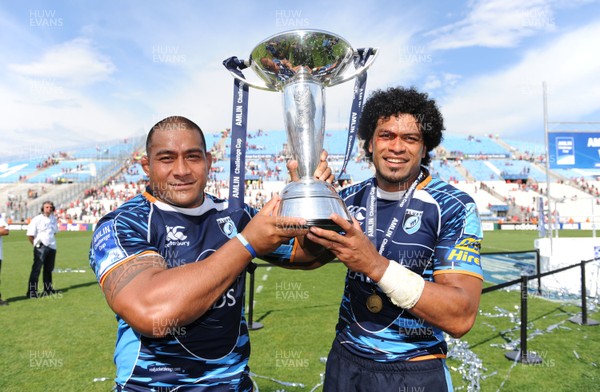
(300, 64)
(323, 55)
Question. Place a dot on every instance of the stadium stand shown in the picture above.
(574, 174)
(212, 139)
(446, 170)
(263, 143)
(357, 170)
(11, 172)
(526, 150)
(506, 178)
(103, 151)
(68, 171)
(335, 143)
(473, 147)
(484, 200)
(571, 203)
(481, 170)
(514, 169)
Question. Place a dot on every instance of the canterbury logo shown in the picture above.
(358, 212)
(174, 233)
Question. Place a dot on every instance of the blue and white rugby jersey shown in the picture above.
(440, 233)
(211, 352)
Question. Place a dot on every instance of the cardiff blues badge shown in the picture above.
(227, 227)
(412, 221)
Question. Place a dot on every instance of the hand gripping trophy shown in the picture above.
(301, 63)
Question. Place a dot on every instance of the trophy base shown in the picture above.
(315, 201)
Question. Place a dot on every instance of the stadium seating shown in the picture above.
(67, 171)
(446, 171)
(499, 178)
(14, 171)
(535, 150)
(473, 146)
(481, 170)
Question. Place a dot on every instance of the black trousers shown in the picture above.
(43, 256)
(349, 373)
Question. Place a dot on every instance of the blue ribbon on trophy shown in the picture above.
(239, 117)
(360, 85)
(300, 64)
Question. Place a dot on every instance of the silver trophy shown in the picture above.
(301, 63)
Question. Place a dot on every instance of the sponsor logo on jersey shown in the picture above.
(227, 226)
(175, 236)
(358, 212)
(466, 251)
(226, 300)
(359, 276)
(412, 221)
(174, 233)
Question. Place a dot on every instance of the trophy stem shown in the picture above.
(304, 117)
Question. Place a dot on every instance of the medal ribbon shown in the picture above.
(398, 213)
(374, 303)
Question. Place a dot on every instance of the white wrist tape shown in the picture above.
(401, 285)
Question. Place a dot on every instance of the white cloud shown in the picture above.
(68, 121)
(75, 62)
(51, 101)
(444, 81)
(495, 23)
(432, 83)
(509, 102)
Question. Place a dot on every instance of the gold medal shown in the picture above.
(374, 303)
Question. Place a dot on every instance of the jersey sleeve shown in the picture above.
(117, 241)
(458, 250)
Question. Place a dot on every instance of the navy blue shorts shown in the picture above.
(349, 373)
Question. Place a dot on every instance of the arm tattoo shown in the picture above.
(122, 275)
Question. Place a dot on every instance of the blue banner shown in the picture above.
(239, 117)
(357, 103)
(574, 150)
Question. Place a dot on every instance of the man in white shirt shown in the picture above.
(41, 233)
(3, 231)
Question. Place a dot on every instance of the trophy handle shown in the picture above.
(237, 76)
(343, 78)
